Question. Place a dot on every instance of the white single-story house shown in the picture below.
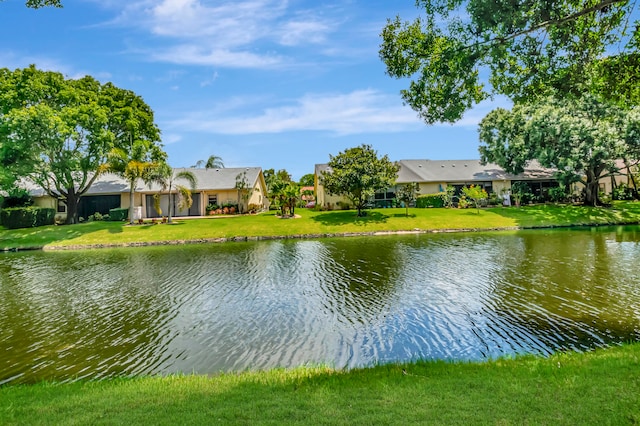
(214, 186)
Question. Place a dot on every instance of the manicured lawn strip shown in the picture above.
(318, 223)
(599, 387)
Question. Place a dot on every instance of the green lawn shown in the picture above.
(598, 388)
(317, 223)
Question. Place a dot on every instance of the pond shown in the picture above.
(345, 302)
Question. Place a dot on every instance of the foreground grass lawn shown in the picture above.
(600, 387)
(317, 223)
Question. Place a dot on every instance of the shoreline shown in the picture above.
(219, 240)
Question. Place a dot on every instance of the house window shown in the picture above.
(62, 206)
(213, 199)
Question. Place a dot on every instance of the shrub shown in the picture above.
(16, 197)
(622, 192)
(118, 214)
(521, 193)
(26, 217)
(558, 194)
(431, 200)
(252, 208)
(97, 216)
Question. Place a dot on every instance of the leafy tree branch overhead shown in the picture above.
(37, 4)
(460, 53)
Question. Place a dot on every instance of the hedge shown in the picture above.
(26, 217)
(431, 200)
(118, 214)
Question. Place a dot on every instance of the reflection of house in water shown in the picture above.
(434, 176)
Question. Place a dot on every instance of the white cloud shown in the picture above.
(246, 34)
(12, 60)
(200, 55)
(171, 138)
(295, 33)
(357, 112)
(209, 81)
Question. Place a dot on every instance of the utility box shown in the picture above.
(137, 213)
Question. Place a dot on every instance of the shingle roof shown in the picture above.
(212, 179)
(458, 171)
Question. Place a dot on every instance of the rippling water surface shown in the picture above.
(345, 302)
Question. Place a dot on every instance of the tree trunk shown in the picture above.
(591, 189)
(131, 189)
(73, 200)
(633, 180)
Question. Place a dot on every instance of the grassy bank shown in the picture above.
(600, 387)
(317, 223)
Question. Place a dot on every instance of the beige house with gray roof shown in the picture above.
(434, 176)
(214, 186)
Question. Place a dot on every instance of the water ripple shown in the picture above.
(344, 302)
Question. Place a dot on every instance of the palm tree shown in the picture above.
(137, 163)
(167, 177)
(213, 162)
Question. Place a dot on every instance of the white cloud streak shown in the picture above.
(235, 34)
(360, 111)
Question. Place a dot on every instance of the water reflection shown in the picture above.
(346, 302)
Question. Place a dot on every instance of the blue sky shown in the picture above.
(270, 83)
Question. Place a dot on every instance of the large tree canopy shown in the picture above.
(579, 137)
(357, 173)
(59, 132)
(462, 52)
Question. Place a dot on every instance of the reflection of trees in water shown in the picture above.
(570, 288)
(360, 277)
(71, 314)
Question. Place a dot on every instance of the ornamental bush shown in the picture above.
(431, 200)
(26, 217)
(118, 214)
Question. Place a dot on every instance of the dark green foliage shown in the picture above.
(357, 173)
(118, 215)
(16, 197)
(558, 194)
(622, 192)
(521, 192)
(307, 180)
(26, 217)
(431, 200)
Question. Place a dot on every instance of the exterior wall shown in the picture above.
(46, 201)
(500, 186)
(431, 188)
(325, 200)
(230, 196)
(328, 200)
